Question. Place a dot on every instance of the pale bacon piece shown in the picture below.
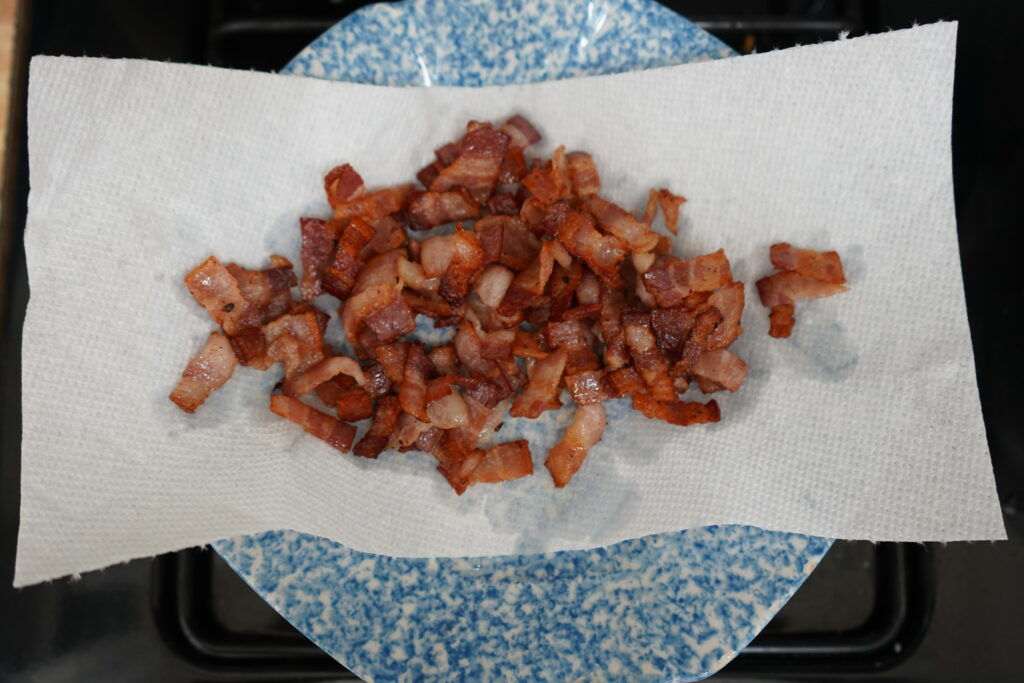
(541, 392)
(781, 319)
(588, 291)
(617, 221)
(477, 166)
(729, 302)
(325, 370)
(430, 209)
(550, 182)
(340, 277)
(216, 290)
(412, 391)
(677, 412)
(321, 425)
(296, 340)
(407, 432)
(208, 371)
(821, 265)
(670, 204)
(412, 276)
(788, 286)
(269, 290)
(448, 412)
(503, 462)
(341, 184)
(492, 284)
(354, 405)
(587, 387)
(374, 206)
(318, 238)
(384, 418)
(722, 367)
(521, 133)
(670, 279)
(566, 458)
(444, 359)
(467, 260)
(436, 254)
(647, 357)
(583, 174)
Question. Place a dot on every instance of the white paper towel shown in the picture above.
(865, 424)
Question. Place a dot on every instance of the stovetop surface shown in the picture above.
(886, 612)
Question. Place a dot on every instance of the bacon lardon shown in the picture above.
(208, 371)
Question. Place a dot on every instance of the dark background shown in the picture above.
(110, 625)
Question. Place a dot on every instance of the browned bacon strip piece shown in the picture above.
(477, 166)
(781, 319)
(430, 209)
(412, 391)
(212, 285)
(541, 392)
(821, 265)
(583, 173)
(341, 275)
(646, 355)
(208, 371)
(384, 418)
(670, 280)
(722, 367)
(788, 286)
(323, 371)
(670, 204)
(680, 413)
(318, 238)
(374, 206)
(503, 462)
(354, 405)
(341, 184)
(587, 387)
(321, 425)
(566, 458)
(467, 259)
(617, 221)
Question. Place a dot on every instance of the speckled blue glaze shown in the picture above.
(670, 607)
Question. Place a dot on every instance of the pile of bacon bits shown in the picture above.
(803, 274)
(547, 284)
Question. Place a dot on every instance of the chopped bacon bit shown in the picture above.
(295, 340)
(670, 204)
(428, 174)
(788, 286)
(375, 287)
(323, 371)
(566, 458)
(583, 174)
(821, 265)
(508, 241)
(341, 276)
(268, 290)
(469, 349)
(446, 154)
(443, 313)
(585, 311)
(392, 321)
(571, 337)
(321, 425)
(251, 348)
(781, 319)
(650, 209)
(412, 391)
(444, 359)
(532, 212)
(341, 184)
(330, 390)
(467, 259)
(529, 284)
(729, 302)
(374, 206)
(722, 367)
(503, 203)
(377, 381)
(672, 326)
(603, 253)
(677, 412)
(477, 166)
(520, 132)
(388, 234)
(646, 355)
(562, 286)
(392, 360)
(407, 432)
(430, 209)
(587, 387)
(354, 405)
(550, 182)
(542, 390)
(626, 382)
(318, 239)
(513, 166)
(436, 254)
(208, 371)
(492, 284)
(670, 279)
(412, 276)
(503, 462)
(216, 290)
(527, 345)
(430, 440)
(615, 220)
(448, 412)
(384, 418)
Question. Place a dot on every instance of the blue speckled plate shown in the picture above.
(670, 607)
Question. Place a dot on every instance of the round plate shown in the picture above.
(669, 607)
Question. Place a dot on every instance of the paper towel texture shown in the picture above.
(865, 424)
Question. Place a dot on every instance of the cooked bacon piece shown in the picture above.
(566, 458)
(585, 311)
(428, 174)
(646, 355)
(216, 290)
(503, 462)
(588, 291)
(507, 240)
(503, 204)
(781, 319)
(251, 348)
(477, 166)
(318, 239)
(412, 391)
(821, 265)
(672, 326)
(436, 254)
(615, 220)
(319, 373)
(430, 440)
(650, 209)
(530, 283)
(444, 359)
(706, 321)
(268, 290)
(616, 354)
(341, 184)
(412, 276)
(432, 306)
(670, 204)
(788, 286)
(550, 182)
(670, 279)
(447, 153)
(296, 340)
(388, 234)
(377, 382)
(492, 284)
(541, 392)
(626, 382)
(562, 286)
(722, 367)
(456, 463)
(448, 411)
(354, 405)
(520, 132)
(321, 425)
(677, 412)
(391, 322)
(205, 373)
(583, 174)
(375, 287)
(467, 259)
(602, 253)
(527, 345)
(330, 390)
(513, 166)
(341, 275)
(729, 302)
(384, 418)
(469, 348)
(532, 212)
(374, 206)
(392, 359)
(587, 387)
(407, 432)
(497, 345)
(430, 209)
(571, 336)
